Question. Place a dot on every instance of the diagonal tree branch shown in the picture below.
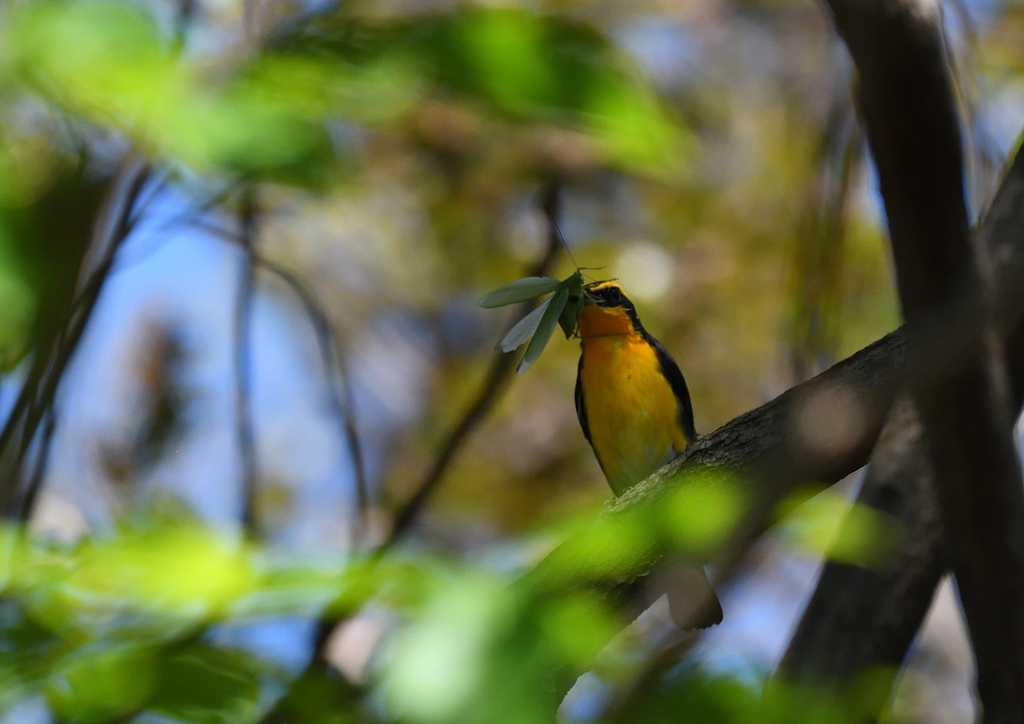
(860, 618)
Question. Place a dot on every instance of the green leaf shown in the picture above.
(524, 329)
(519, 291)
(544, 329)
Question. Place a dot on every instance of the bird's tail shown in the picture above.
(692, 600)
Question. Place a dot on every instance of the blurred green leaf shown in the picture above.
(206, 685)
(319, 696)
(829, 524)
(703, 510)
(526, 66)
(102, 682)
(635, 129)
(545, 327)
(438, 661)
(579, 625)
(106, 62)
(506, 48)
(520, 290)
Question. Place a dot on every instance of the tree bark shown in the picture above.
(859, 618)
(959, 383)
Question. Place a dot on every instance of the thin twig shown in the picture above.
(243, 365)
(333, 361)
(494, 383)
(38, 393)
(35, 483)
(342, 401)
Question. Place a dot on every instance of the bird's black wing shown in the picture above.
(670, 369)
(581, 409)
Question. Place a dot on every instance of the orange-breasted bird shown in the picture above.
(635, 411)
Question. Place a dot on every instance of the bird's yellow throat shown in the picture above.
(604, 322)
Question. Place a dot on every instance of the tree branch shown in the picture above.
(862, 619)
(946, 291)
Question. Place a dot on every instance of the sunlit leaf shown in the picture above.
(524, 329)
(520, 290)
(185, 570)
(438, 661)
(545, 327)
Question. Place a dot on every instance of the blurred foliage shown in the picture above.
(399, 146)
(111, 628)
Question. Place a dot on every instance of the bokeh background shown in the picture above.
(393, 157)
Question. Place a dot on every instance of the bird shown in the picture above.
(634, 407)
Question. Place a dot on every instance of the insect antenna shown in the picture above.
(549, 207)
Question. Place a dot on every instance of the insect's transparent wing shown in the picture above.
(545, 327)
(520, 291)
(524, 328)
(570, 317)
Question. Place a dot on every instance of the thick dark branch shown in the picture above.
(946, 292)
(862, 619)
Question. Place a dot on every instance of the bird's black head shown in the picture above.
(608, 295)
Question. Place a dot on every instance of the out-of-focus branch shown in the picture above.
(243, 363)
(37, 394)
(501, 368)
(817, 259)
(490, 391)
(342, 402)
(946, 290)
(331, 357)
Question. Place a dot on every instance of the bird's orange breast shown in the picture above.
(632, 412)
